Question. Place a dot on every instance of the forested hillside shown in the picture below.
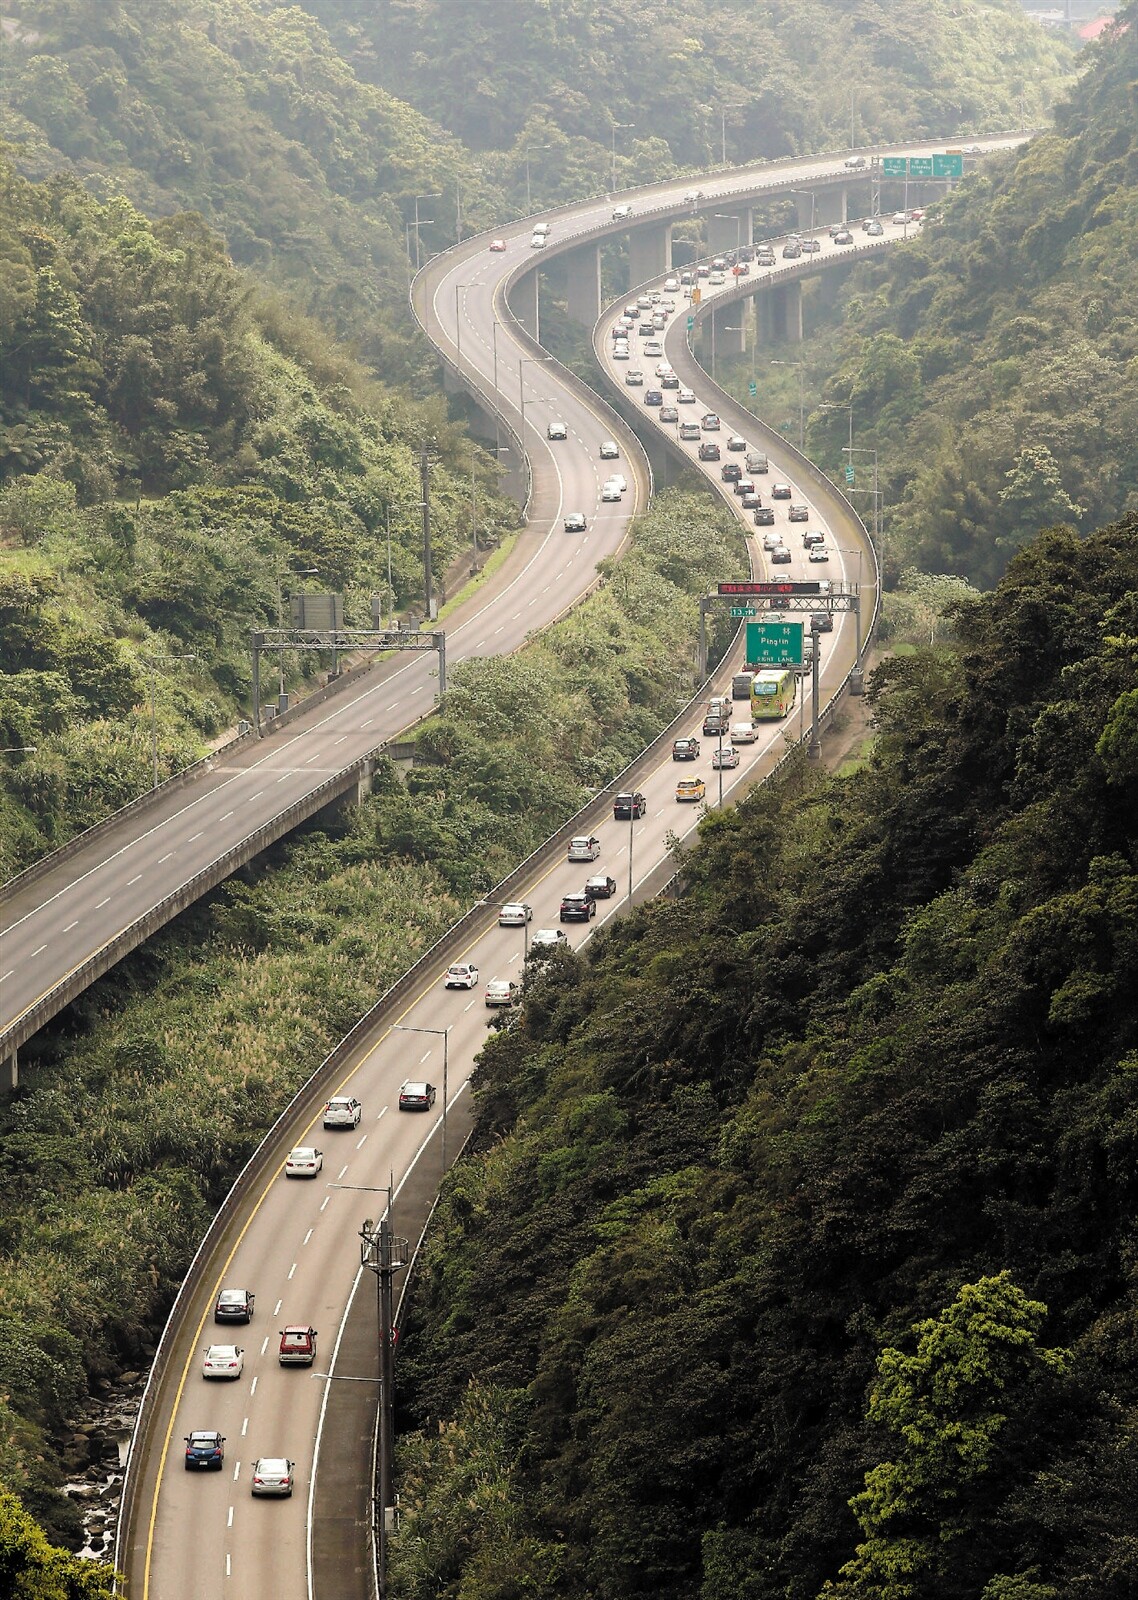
(690, 83)
(819, 1183)
(991, 361)
(174, 445)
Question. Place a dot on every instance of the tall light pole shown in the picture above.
(857, 610)
(384, 1254)
(530, 148)
(494, 343)
(476, 172)
(533, 360)
(419, 221)
(801, 402)
(728, 216)
(810, 192)
(863, 450)
(444, 1035)
(459, 288)
(726, 329)
(615, 126)
(153, 663)
(840, 406)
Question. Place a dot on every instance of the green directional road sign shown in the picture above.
(743, 611)
(770, 644)
(849, 474)
(920, 166)
(894, 166)
(691, 323)
(948, 166)
(752, 388)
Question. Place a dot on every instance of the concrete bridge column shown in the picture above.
(831, 205)
(786, 311)
(649, 252)
(583, 267)
(523, 302)
(10, 1071)
(764, 316)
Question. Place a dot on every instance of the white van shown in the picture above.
(543, 228)
(621, 212)
(537, 241)
(757, 461)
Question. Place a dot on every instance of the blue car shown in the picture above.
(205, 1449)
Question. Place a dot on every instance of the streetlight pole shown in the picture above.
(801, 402)
(384, 1255)
(153, 663)
(720, 765)
(444, 1034)
(839, 406)
(530, 148)
(459, 288)
(522, 360)
(419, 221)
(494, 342)
(615, 126)
(810, 192)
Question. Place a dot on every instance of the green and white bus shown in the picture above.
(772, 693)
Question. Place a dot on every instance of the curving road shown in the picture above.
(294, 1243)
(73, 920)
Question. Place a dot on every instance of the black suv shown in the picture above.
(627, 807)
(577, 907)
(708, 451)
(686, 749)
(730, 471)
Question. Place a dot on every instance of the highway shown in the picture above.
(70, 922)
(194, 1536)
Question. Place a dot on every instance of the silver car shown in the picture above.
(272, 1475)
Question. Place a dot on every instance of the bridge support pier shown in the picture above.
(786, 311)
(730, 329)
(10, 1071)
(523, 301)
(583, 268)
(649, 253)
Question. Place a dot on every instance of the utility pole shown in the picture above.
(424, 495)
(384, 1255)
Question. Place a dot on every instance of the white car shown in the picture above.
(585, 847)
(653, 347)
(303, 1162)
(514, 915)
(818, 552)
(343, 1111)
(716, 279)
(461, 975)
(728, 756)
(685, 396)
(223, 1361)
(900, 218)
(633, 377)
(772, 539)
(503, 992)
(671, 284)
(743, 733)
(610, 450)
(272, 1475)
(611, 491)
(619, 479)
(557, 430)
(547, 937)
(620, 350)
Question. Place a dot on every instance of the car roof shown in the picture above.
(415, 1088)
(234, 1294)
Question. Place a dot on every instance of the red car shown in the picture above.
(497, 245)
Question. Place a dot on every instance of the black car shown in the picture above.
(416, 1097)
(627, 807)
(234, 1305)
(764, 516)
(205, 1449)
(821, 622)
(730, 471)
(708, 451)
(751, 501)
(653, 397)
(686, 749)
(577, 907)
(602, 887)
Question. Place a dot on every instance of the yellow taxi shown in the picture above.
(691, 789)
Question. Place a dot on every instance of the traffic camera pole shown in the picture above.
(383, 1254)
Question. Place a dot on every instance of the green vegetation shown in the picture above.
(31, 1569)
(990, 360)
(122, 1142)
(173, 446)
(797, 1250)
(685, 81)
